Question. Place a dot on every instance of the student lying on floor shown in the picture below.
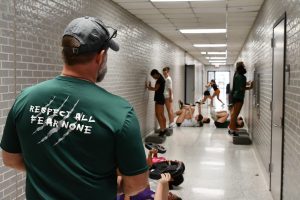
(186, 116)
(222, 120)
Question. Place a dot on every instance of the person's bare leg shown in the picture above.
(218, 97)
(212, 99)
(169, 106)
(223, 118)
(159, 110)
(239, 108)
(181, 117)
(234, 113)
(178, 112)
(204, 99)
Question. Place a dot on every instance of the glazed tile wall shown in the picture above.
(257, 54)
(30, 32)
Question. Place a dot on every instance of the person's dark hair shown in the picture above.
(200, 117)
(213, 80)
(69, 57)
(241, 68)
(241, 125)
(154, 72)
(207, 121)
(166, 69)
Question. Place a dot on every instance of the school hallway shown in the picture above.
(216, 169)
(201, 43)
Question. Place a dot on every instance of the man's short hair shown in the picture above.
(71, 58)
(166, 69)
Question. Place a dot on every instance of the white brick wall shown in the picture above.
(36, 37)
(257, 53)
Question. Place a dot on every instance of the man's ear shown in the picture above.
(100, 57)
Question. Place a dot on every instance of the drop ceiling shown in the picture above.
(168, 17)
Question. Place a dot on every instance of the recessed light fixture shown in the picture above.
(216, 52)
(217, 61)
(181, 0)
(203, 52)
(217, 58)
(202, 30)
(210, 45)
(218, 64)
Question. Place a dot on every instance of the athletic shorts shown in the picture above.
(206, 93)
(233, 101)
(217, 92)
(222, 125)
(160, 102)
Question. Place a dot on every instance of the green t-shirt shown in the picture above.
(239, 85)
(73, 135)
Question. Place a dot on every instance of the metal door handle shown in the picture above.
(275, 125)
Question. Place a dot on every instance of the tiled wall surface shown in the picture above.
(30, 32)
(257, 54)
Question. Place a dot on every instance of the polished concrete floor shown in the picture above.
(216, 169)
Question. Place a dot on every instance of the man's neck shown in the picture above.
(79, 74)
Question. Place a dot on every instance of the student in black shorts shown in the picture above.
(159, 98)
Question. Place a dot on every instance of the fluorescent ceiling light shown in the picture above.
(217, 58)
(216, 52)
(203, 52)
(181, 0)
(210, 45)
(217, 64)
(217, 61)
(202, 30)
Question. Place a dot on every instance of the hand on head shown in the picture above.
(165, 178)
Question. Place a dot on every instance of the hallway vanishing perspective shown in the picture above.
(216, 168)
(86, 85)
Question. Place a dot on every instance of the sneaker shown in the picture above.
(162, 133)
(233, 132)
(172, 125)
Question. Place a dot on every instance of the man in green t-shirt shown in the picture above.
(71, 135)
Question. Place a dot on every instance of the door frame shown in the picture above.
(185, 81)
(282, 18)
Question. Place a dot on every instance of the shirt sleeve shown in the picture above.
(10, 140)
(169, 83)
(131, 158)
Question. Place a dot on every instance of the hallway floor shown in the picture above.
(216, 169)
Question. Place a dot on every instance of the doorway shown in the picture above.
(277, 126)
(222, 78)
(189, 97)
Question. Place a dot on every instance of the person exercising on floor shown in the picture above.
(186, 116)
(221, 119)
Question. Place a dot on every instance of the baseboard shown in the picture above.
(261, 167)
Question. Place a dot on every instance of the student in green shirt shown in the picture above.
(71, 135)
(240, 85)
